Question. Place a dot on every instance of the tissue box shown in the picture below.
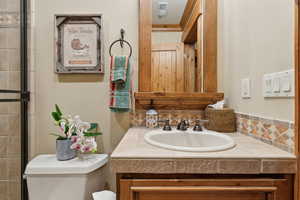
(220, 120)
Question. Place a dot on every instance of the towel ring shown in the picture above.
(120, 40)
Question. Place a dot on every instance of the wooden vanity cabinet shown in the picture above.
(205, 189)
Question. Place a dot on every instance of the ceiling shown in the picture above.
(175, 11)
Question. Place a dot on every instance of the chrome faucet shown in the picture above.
(198, 126)
(183, 125)
(167, 126)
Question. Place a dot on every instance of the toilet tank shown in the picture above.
(76, 179)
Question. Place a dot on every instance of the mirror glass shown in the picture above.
(228, 42)
(169, 72)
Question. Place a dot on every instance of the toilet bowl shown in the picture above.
(76, 179)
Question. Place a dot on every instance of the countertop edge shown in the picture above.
(204, 166)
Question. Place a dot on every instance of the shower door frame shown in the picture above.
(24, 95)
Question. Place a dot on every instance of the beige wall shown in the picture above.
(255, 37)
(166, 37)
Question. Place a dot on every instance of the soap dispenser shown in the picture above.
(151, 117)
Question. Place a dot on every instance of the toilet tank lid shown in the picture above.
(48, 164)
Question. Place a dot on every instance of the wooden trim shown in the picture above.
(143, 95)
(176, 100)
(189, 34)
(123, 187)
(166, 28)
(189, 68)
(199, 50)
(202, 189)
(210, 46)
(145, 30)
(180, 76)
(187, 12)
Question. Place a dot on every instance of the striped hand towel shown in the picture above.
(119, 66)
(120, 84)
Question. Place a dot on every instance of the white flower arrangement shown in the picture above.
(82, 134)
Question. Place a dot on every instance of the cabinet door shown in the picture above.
(247, 189)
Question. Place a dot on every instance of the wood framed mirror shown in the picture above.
(177, 54)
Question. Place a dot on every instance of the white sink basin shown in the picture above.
(206, 141)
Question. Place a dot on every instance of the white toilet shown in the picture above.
(76, 179)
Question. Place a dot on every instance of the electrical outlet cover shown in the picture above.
(246, 88)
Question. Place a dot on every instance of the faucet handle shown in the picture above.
(167, 126)
(198, 126)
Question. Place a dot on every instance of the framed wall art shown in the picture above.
(78, 44)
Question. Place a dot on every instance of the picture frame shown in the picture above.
(78, 44)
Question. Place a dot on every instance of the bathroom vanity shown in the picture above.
(251, 170)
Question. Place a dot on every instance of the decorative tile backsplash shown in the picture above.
(175, 116)
(274, 132)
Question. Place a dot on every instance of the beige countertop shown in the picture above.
(134, 155)
(134, 146)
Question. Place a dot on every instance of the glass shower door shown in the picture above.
(14, 98)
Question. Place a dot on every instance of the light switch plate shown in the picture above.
(246, 87)
(287, 80)
(267, 85)
(286, 83)
(276, 84)
(279, 84)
